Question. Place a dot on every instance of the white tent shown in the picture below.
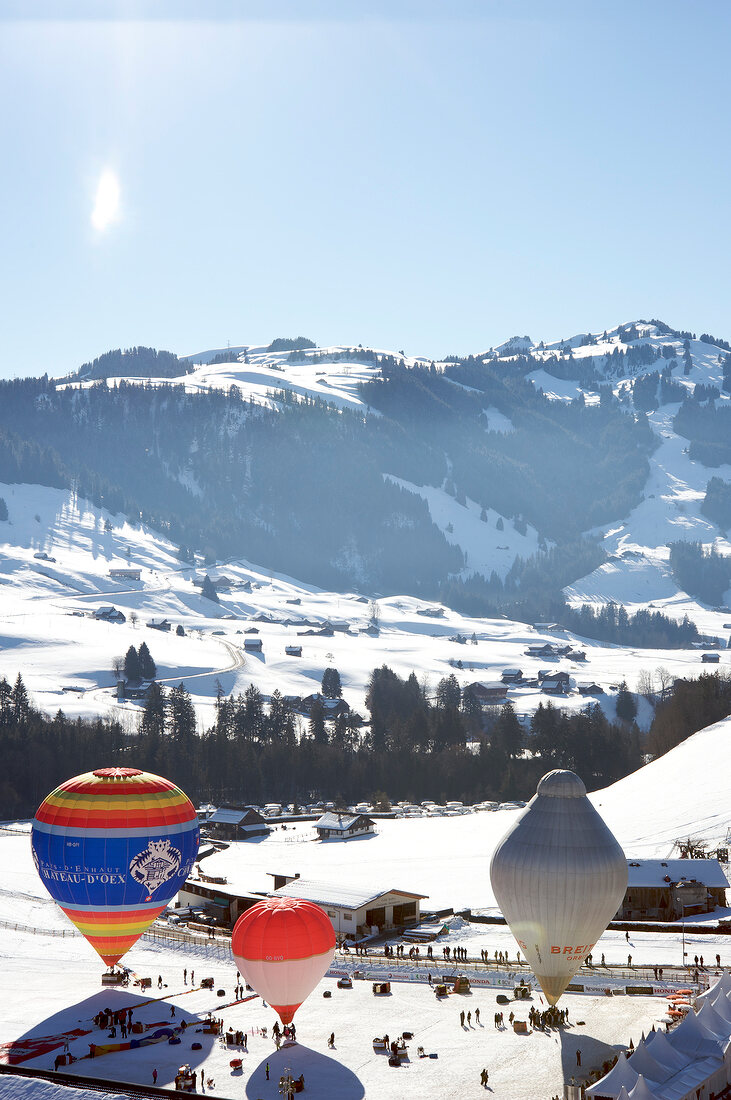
(721, 985)
(643, 1062)
(620, 1077)
(714, 1024)
(691, 1073)
(642, 1091)
(692, 1038)
(722, 1006)
(621, 1095)
(664, 1053)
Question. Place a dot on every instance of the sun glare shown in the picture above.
(106, 201)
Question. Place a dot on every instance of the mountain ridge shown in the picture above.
(416, 452)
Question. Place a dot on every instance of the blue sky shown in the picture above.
(428, 176)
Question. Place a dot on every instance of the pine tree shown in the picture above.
(148, 669)
(19, 699)
(132, 670)
(507, 734)
(318, 731)
(253, 718)
(331, 686)
(448, 693)
(626, 703)
(5, 702)
(3, 510)
(209, 590)
(153, 717)
(182, 715)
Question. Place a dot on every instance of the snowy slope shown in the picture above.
(487, 549)
(52, 982)
(66, 657)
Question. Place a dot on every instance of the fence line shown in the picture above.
(181, 941)
(220, 949)
(15, 926)
(174, 939)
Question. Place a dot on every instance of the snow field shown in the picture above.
(57, 989)
(66, 657)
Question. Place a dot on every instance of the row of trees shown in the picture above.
(415, 748)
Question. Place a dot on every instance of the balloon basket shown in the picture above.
(115, 977)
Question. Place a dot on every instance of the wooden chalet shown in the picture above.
(342, 826)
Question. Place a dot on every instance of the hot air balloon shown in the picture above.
(112, 847)
(559, 876)
(283, 947)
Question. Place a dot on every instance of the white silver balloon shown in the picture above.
(559, 876)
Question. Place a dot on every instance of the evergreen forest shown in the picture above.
(415, 747)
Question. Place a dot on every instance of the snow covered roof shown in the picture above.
(656, 872)
(332, 820)
(227, 816)
(336, 895)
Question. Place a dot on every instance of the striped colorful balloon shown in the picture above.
(112, 847)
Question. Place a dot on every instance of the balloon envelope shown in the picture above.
(283, 947)
(559, 876)
(112, 847)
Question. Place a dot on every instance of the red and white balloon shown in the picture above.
(283, 947)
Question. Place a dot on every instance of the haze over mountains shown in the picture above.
(358, 467)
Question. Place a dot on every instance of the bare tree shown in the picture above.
(664, 679)
(118, 667)
(646, 684)
(134, 618)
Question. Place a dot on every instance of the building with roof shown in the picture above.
(333, 708)
(231, 823)
(490, 694)
(217, 898)
(668, 890)
(354, 910)
(109, 614)
(159, 624)
(338, 826)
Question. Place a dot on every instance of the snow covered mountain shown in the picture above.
(149, 442)
(647, 368)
